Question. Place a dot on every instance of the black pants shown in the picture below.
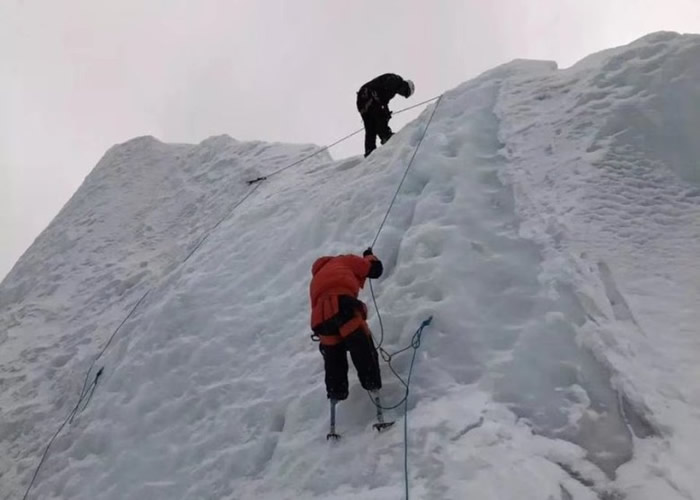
(376, 120)
(364, 357)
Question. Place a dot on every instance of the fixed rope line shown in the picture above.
(92, 389)
(69, 418)
(381, 226)
(415, 344)
(46, 450)
(379, 316)
(88, 389)
(213, 228)
(416, 338)
(419, 104)
(326, 148)
(415, 341)
(408, 167)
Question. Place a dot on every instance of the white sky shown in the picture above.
(77, 76)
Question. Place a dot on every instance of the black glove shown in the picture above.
(367, 252)
(375, 269)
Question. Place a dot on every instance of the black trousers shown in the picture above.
(375, 117)
(364, 357)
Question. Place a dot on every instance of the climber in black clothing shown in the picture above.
(373, 104)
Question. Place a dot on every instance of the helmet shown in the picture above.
(411, 88)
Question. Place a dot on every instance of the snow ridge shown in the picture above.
(549, 224)
(95, 242)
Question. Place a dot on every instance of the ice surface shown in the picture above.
(605, 163)
(549, 224)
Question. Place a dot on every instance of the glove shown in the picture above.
(375, 269)
(367, 252)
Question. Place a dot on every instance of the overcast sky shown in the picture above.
(77, 76)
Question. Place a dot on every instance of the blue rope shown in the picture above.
(416, 343)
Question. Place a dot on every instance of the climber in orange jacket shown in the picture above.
(338, 320)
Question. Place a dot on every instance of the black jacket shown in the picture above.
(382, 89)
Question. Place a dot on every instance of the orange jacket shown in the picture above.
(334, 277)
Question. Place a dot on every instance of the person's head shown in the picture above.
(407, 89)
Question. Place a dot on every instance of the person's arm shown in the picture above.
(367, 266)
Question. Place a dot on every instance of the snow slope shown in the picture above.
(550, 224)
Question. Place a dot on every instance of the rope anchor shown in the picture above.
(259, 179)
